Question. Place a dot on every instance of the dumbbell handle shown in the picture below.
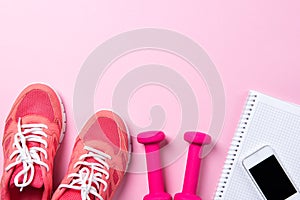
(192, 169)
(155, 175)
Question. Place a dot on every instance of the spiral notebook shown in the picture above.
(264, 121)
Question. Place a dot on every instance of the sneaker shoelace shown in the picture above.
(89, 178)
(28, 156)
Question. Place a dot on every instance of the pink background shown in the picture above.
(253, 44)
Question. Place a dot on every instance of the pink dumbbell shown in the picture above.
(151, 140)
(196, 140)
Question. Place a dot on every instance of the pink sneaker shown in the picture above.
(33, 130)
(99, 160)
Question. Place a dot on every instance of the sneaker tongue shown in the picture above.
(37, 181)
(76, 194)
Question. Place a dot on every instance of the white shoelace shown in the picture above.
(90, 174)
(28, 156)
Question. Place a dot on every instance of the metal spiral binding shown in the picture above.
(235, 144)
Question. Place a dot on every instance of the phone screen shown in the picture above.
(272, 180)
